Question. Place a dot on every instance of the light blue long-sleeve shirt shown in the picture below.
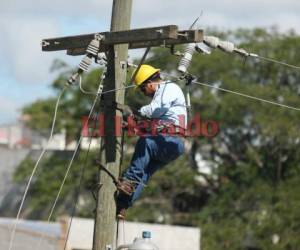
(168, 104)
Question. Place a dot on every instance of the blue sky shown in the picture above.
(24, 69)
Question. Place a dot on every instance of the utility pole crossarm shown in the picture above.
(136, 38)
(185, 36)
(111, 38)
(188, 36)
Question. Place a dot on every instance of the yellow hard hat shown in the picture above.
(144, 73)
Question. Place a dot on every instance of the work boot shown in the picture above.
(125, 186)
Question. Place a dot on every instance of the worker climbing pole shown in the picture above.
(158, 146)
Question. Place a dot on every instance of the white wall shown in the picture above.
(166, 237)
(25, 240)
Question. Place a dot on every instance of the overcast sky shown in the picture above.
(24, 69)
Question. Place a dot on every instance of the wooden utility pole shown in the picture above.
(115, 44)
(105, 219)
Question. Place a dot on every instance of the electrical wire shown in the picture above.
(79, 142)
(214, 42)
(277, 61)
(80, 184)
(82, 90)
(239, 94)
(75, 152)
(35, 168)
(83, 168)
(108, 91)
(113, 90)
(248, 96)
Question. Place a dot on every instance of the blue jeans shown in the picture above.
(151, 153)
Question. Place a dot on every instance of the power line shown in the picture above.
(75, 152)
(82, 172)
(277, 61)
(45, 148)
(239, 94)
(81, 88)
(103, 93)
(34, 169)
(229, 47)
(248, 96)
(113, 90)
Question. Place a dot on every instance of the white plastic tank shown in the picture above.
(143, 243)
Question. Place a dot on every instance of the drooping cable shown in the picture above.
(81, 88)
(35, 168)
(82, 173)
(70, 165)
(108, 91)
(92, 50)
(99, 92)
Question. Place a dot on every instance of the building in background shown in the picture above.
(17, 142)
(17, 135)
(29, 233)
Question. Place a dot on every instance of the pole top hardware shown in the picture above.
(136, 38)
